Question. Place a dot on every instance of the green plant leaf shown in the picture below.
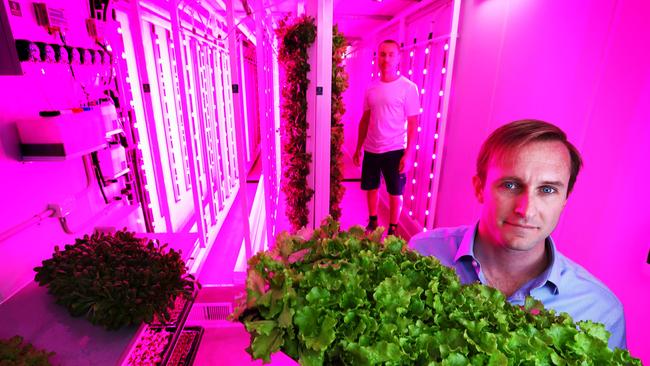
(352, 300)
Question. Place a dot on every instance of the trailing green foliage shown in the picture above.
(116, 279)
(13, 352)
(344, 298)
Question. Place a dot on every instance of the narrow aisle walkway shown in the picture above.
(354, 208)
(221, 261)
(219, 265)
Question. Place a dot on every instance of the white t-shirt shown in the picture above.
(389, 104)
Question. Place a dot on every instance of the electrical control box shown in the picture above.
(60, 135)
(113, 162)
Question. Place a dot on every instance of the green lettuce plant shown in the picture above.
(15, 352)
(344, 298)
(296, 37)
(116, 279)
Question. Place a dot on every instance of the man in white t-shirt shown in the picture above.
(387, 132)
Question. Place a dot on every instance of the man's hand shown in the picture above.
(406, 162)
(356, 158)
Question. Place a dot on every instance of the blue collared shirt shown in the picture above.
(564, 286)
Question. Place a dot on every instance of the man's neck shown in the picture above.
(507, 269)
(389, 76)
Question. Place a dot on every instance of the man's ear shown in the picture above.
(478, 188)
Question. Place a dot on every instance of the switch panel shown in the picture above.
(60, 135)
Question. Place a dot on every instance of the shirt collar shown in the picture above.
(552, 273)
(466, 247)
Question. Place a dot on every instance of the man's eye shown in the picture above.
(510, 185)
(548, 190)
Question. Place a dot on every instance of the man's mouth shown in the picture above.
(521, 226)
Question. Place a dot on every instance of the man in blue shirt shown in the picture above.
(525, 173)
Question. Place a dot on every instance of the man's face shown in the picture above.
(524, 193)
(389, 57)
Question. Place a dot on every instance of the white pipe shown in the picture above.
(66, 228)
(27, 223)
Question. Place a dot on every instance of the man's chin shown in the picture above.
(522, 244)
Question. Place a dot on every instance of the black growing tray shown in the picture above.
(193, 350)
(168, 346)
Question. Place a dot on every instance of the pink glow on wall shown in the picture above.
(579, 65)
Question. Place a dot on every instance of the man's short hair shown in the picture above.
(393, 42)
(519, 133)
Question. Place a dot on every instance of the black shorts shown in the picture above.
(388, 165)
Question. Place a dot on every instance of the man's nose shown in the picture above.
(525, 205)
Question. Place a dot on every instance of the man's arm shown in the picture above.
(363, 131)
(409, 153)
(616, 326)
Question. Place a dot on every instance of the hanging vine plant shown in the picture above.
(295, 40)
(339, 85)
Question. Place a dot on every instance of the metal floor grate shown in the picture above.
(217, 311)
(210, 312)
